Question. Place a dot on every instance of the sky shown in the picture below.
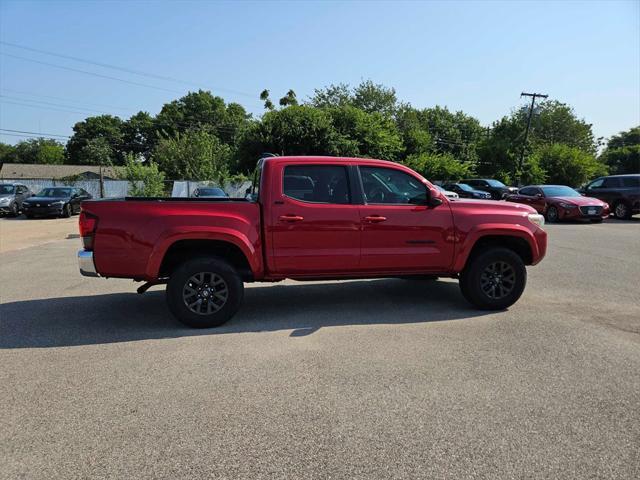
(473, 56)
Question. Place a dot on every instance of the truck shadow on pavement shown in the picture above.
(302, 308)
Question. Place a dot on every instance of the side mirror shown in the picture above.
(539, 195)
(434, 201)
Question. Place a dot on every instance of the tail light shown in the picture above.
(88, 224)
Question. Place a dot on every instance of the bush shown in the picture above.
(145, 180)
(441, 166)
(565, 165)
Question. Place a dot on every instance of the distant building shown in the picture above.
(18, 171)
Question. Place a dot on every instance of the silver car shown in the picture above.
(11, 197)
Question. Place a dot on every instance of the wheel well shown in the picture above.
(517, 244)
(185, 249)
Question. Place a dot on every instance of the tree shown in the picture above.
(363, 134)
(7, 152)
(367, 96)
(202, 110)
(295, 130)
(97, 141)
(144, 180)
(622, 153)
(439, 166)
(138, 135)
(35, 150)
(566, 165)
(289, 99)
(192, 155)
(332, 96)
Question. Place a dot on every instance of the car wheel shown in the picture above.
(621, 211)
(13, 211)
(494, 280)
(66, 211)
(552, 215)
(204, 292)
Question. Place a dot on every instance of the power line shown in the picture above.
(30, 94)
(42, 108)
(88, 110)
(34, 133)
(89, 73)
(124, 69)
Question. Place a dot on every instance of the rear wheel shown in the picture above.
(13, 210)
(204, 292)
(621, 211)
(494, 279)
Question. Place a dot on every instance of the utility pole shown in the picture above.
(526, 132)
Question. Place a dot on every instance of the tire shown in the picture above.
(220, 292)
(552, 215)
(66, 211)
(621, 211)
(14, 210)
(482, 268)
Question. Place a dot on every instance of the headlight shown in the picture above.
(536, 219)
(567, 205)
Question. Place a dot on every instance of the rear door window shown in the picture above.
(630, 182)
(611, 182)
(317, 183)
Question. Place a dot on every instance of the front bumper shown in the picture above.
(582, 213)
(44, 211)
(86, 264)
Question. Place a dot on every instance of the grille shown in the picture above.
(585, 210)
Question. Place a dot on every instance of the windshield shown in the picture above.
(6, 189)
(211, 192)
(496, 183)
(442, 189)
(465, 187)
(559, 192)
(55, 192)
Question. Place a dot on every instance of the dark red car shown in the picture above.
(559, 202)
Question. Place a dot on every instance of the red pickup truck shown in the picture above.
(311, 218)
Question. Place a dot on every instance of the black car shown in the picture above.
(465, 191)
(496, 188)
(55, 201)
(12, 195)
(621, 192)
(210, 192)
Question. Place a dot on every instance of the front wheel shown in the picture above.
(552, 215)
(66, 211)
(13, 211)
(494, 279)
(204, 292)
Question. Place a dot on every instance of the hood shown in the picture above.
(493, 205)
(2, 195)
(45, 199)
(580, 201)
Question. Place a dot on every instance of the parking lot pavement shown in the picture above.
(20, 232)
(360, 379)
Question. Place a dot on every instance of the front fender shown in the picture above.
(173, 235)
(535, 239)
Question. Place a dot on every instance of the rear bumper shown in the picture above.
(86, 264)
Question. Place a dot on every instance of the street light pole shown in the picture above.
(526, 132)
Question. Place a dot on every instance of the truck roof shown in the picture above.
(327, 158)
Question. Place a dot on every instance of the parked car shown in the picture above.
(496, 188)
(447, 193)
(465, 191)
(559, 202)
(622, 192)
(210, 192)
(55, 201)
(352, 218)
(12, 196)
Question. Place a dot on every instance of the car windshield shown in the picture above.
(559, 191)
(55, 192)
(465, 187)
(211, 192)
(442, 189)
(6, 189)
(496, 183)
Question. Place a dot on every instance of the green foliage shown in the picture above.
(97, 141)
(565, 165)
(34, 150)
(367, 96)
(439, 166)
(295, 130)
(144, 180)
(7, 152)
(622, 154)
(193, 155)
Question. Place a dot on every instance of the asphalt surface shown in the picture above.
(361, 379)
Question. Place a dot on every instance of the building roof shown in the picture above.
(16, 171)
